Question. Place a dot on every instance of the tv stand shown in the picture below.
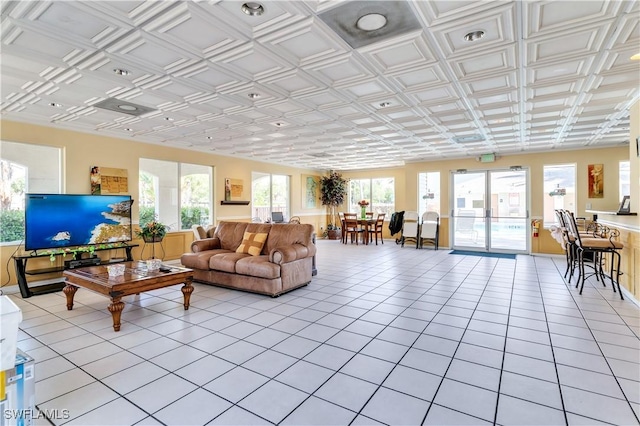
(22, 272)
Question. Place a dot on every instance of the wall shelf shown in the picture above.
(235, 203)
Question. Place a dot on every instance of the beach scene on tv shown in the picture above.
(58, 220)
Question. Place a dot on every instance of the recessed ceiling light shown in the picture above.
(635, 57)
(252, 8)
(384, 104)
(55, 104)
(371, 22)
(474, 35)
(121, 71)
(127, 107)
(254, 95)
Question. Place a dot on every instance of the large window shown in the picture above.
(177, 194)
(624, 179)
(428, 192)
(379, 192)
(269, 193)
(24, 168)
(559, 190)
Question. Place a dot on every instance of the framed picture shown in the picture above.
(596, 180)
(625, 205)
(310, 192)
(108, 180)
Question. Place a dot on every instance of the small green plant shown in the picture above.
(152, 231)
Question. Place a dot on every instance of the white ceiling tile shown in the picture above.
(547, 75)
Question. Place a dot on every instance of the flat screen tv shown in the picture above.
(69, 220)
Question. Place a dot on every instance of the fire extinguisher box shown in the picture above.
(18, 392)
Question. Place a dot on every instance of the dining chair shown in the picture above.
(351, 228)
(429, 229)
(342, 226)
(377, 228)
(410, 227)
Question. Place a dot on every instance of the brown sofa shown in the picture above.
(283, 263)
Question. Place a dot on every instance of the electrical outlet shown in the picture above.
(588, 206)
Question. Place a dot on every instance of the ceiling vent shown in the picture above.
(468, 139)
(319, 154)
(124, 107)
(361, 23)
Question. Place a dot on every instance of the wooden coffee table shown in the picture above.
(136, 279)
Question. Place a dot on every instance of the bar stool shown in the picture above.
(602, 242)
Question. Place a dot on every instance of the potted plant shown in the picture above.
(152, 231)
(333, 190)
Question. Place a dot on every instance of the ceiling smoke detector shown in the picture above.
(252, 8)
(474, 35)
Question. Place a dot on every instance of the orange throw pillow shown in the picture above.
(252, 243)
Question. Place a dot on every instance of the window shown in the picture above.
(269, 193)
(379, 192)
(165, 185)
(25, 168)
(559, 190)
(624, 179)
(428, 192)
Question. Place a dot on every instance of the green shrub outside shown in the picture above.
(11, 225)
(188, 216)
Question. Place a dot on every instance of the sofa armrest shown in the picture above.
(286, 254)
(205, 244)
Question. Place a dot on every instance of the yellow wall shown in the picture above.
(83, 150)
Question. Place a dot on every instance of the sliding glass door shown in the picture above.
(490, 211)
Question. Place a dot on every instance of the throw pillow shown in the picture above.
(252, 243)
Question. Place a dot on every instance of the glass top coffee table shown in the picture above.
(137, 278)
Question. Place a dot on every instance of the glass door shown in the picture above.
(490, 211)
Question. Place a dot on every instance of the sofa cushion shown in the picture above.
(226, 262)
(230, 234)
(252, 243)
(200, 260)
(258, 266)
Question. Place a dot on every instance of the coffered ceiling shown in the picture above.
(285, 87)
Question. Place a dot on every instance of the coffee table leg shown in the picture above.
(116, 308)
(187, 289)
(70, 291)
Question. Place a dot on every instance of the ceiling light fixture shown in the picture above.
(55, 104)
(385, 104)
(128, 129)
(254, 95)
(371, 22)
(209, 137)
(121, 71)
(168, 118)
(474, 35)
(252, 8)
(635, 57)
(278, 124)
(127, 107)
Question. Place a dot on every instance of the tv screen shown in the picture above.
(67, 220)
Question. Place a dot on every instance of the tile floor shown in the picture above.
(383, 335)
